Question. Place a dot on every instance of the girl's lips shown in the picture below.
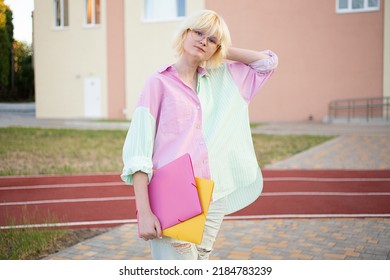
(199, 48)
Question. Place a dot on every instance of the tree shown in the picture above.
(23, 71)
(6, 40)
(16, 71)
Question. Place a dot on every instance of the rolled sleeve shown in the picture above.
(265, 65)
(250, 78)
(135, 164)
(138, 147)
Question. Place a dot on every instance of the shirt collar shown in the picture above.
(201, 70)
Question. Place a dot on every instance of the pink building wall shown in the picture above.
(115, 60)
(322, 55)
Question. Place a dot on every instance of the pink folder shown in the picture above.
(173, 194)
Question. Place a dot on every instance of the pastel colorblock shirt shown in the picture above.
(211, 124)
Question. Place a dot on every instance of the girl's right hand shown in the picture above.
(148, 226)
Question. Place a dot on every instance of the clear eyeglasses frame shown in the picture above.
(199, 35)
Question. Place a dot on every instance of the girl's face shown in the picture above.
(200, 44)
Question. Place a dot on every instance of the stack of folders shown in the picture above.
(179, 200)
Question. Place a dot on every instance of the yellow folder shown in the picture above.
(192, 229)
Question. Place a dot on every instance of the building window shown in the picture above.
(356, 6)
(61, 13)
(162, 10)
(92, 12)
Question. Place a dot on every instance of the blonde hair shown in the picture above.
(210, 22)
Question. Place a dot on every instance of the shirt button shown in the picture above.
(198, 107)
(205, 161)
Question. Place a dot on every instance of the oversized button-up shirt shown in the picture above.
(211, 124)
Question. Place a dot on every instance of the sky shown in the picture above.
(21, 12)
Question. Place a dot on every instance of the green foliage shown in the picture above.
(6, 38)
(23, 72)
(16, 71)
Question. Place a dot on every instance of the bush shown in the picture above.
(16, 69)
(6, 39)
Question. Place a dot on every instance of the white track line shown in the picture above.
(96, 199)
(83, 223)
(314, 179)
(60, 186)
(121, 184)
(325, 193)
(274, 194)
(306, 216)
(229, 218)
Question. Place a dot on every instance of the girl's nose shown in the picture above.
(203, 41)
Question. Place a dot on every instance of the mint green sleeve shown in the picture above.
(138, 147)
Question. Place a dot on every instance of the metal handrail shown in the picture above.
(372, 108)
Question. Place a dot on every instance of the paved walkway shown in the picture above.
(343, 152)
(273, 239)
(357, 146)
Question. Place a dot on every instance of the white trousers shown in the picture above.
(172, 249)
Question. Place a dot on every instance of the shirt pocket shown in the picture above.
(176, 116)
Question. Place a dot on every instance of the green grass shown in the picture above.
(34, 151)
(29, 243)
(273, 148)
(254, 125)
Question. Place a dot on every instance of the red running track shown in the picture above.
(104, 200)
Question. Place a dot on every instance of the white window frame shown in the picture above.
(150, 17)
(93, 14)
(349, 9)
(62, 15)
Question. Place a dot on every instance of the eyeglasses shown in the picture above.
(199, 35)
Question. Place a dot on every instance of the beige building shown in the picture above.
(92, 57)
